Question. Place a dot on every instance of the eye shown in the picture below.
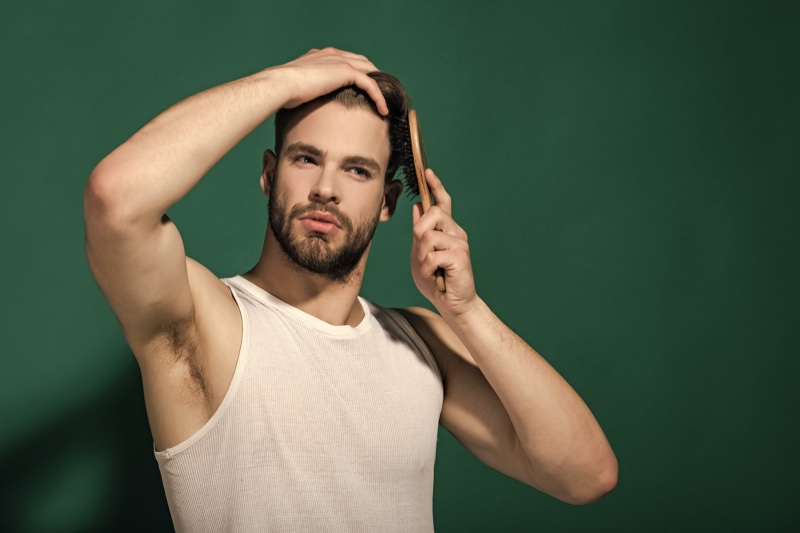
(304, 159)
(361, 172)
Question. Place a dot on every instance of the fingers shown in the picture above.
(436, 241)
(440, 245)
(416, 213)
(331, 51)
(453, 262)
(436, 229)
(440, 195)
(363, 66)
(373, 90)
(436, 219)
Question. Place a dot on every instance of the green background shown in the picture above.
(628, 176)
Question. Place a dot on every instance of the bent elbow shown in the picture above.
(103, 191)
(98, 195)
(107, 202)
(606, 480)
(601, 483)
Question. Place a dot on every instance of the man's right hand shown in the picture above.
(320, 72)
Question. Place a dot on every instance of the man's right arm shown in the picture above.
(135, 251)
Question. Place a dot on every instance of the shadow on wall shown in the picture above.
(91, 470)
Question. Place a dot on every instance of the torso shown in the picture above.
(336, 425)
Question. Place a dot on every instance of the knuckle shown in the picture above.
(424, 262)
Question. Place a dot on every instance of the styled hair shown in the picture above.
(397, 101)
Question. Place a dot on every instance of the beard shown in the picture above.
(312, 251)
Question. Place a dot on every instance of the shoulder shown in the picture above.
(431, 327)
(444, 344)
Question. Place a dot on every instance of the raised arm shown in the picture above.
(134, 250)
(503, 401)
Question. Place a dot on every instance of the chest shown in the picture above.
(368, 402)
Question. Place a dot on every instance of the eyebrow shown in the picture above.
(360, 161)
(302, 147)
(357, 160)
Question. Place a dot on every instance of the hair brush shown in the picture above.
(419, 164)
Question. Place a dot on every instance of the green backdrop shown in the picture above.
(627, 173)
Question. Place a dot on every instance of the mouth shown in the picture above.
(321, 222)
(319, 216)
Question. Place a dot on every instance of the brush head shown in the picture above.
(407, 143)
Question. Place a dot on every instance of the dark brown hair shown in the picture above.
(397, 101)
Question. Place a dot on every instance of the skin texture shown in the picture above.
(503, 401)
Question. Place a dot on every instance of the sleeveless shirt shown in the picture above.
(323, 428)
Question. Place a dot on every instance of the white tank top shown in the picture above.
(323, 428)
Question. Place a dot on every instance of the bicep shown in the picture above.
(472, 412)
(143, 274)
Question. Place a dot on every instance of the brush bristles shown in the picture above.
(401, 145)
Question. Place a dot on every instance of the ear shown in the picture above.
(268, 172)
(391, 192)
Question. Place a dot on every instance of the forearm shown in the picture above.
(140, 180)
(161, 163)
(567, 453)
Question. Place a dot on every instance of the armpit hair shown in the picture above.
(182, 345)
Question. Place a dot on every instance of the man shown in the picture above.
(279, 399)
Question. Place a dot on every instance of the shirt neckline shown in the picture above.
(320, 325)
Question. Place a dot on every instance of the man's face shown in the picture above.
(327, 193)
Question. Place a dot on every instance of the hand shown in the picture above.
(320, 72)
(441, 243)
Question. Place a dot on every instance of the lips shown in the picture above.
(320, 222)
(319, 216)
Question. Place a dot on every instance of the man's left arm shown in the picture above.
(503, 401)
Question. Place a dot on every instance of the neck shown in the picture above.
(334, 302)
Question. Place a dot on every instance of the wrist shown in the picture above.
(276, 83)
(466, 315)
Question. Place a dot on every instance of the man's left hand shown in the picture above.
(441, 243)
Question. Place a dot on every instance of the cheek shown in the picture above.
(289, 195)
(371, 203)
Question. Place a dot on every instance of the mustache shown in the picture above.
(342, 220)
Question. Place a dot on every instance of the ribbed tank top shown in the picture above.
(323, 428)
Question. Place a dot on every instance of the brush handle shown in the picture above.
(419, 168)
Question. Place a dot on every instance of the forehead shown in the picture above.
(341, 131)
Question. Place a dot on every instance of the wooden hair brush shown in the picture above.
(420, 164)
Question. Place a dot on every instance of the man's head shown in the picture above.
(331, 180)
(397, 101)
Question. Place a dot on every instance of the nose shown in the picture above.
(324, 189)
